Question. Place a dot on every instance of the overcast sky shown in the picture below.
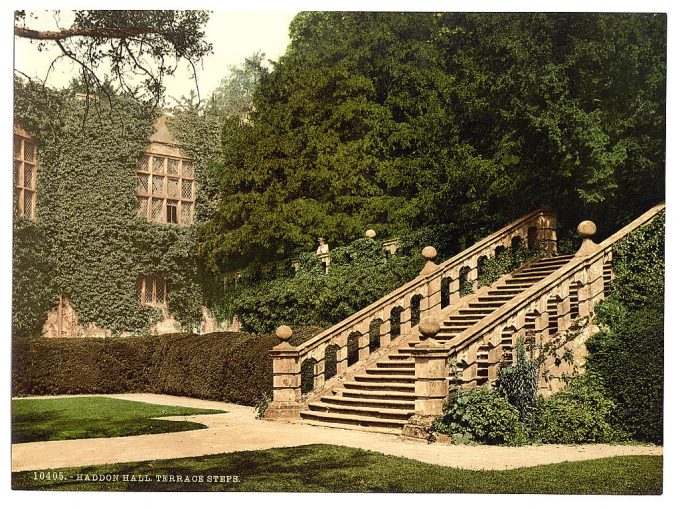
(234, 36)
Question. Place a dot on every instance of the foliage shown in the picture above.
(233, 97)
(386, 120)
(229, 366)
(31, 300)
(87, 243)
(518, 382)
(262, 404)
(580, 413)
(481, 415)
(629, 351)
(145, 44)
(93, 417)
(359, 274)
(330, 468)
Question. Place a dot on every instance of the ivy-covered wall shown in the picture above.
(87, 243)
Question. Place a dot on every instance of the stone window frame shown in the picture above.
(148, 291)
(21, 163)
(157, 197)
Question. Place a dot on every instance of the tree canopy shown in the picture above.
(404, 121)
(137, 48)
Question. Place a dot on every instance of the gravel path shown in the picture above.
(238, 430)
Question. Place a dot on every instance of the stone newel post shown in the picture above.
(433, 294)
(586, 230)
(287, 392)
(431, 384)
(594, 287)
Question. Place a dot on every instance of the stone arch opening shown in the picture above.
(374, 335)
(516, 243)
(307, 375)
(331, 361)
(464, 285)
(532, 238)
(445, 292)
(395, 322)
(574, 288)
(553, 317)
(499, 250)
(530, 322)
(353, 348)
(415, 308)
(481, 262)
(508, 345)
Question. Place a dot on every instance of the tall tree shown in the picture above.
(233, 97)
(134, 46)
(458, 122)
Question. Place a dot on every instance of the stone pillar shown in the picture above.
(320, 373)
(364, 350)
(594, 271)
(287, 393)
(431, 384)
(433, 290)
(547, 231)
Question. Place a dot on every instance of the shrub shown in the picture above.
(518, 383)
(580, 413)
(629, 357)
(359, 274)
(227, 366)
(628, 353)
(481, 415)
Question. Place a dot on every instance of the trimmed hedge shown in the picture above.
(227, 366)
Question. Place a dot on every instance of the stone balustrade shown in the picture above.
(546, 309)
(438, 287)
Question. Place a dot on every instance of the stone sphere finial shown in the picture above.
(370, 233)
(429, 253)
(284, 333)
(429, 327)
(586, 229)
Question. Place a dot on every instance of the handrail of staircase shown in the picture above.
(586, 269)
(424, 280)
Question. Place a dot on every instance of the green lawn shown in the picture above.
(324, 468)
(86, 417)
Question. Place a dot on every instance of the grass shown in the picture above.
(325, 468)
(88, 417)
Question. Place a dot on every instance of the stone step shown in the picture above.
(396, 364)
(364, 411)
(484, 305)
(538, 270)
(368, 386)
(369, 402)
(399, 357)
(460, 320)
(383, 378)
(516, 284)
(499, 299)
(526, 279)
(517, 288)
(511, 292)
(392, 371)
(561, 258)
(356, 421)
(375, 394)
(469, 312)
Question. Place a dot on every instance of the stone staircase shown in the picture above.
(381, 398)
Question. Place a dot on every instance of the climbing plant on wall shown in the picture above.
(87, 243)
